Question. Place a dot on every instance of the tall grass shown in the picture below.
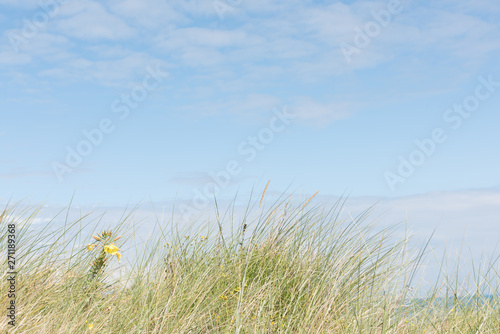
(286, 269)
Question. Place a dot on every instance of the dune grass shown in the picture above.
(285, 269)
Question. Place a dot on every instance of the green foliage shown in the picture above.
(106, 247)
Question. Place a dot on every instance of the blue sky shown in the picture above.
(202, 85)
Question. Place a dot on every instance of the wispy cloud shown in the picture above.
(26, 173)
(8, 57)
(468, 214)
(264, 48)
(28, 4)
(89, 20)
(120, 71)
(199, 179)
(309, 110)
(149, 14)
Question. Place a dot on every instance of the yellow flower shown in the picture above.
(90, 247)
(90, 326)
(111, 249)
(119, 256)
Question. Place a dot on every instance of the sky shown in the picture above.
(120, 102)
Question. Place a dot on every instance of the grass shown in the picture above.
(285, 269)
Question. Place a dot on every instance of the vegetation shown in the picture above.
(285, 269)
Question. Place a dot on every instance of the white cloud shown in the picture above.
(332, 24)
(472, 214)
(204, 47)
(309, 110)
(121, 72)
(461, 35)
(250, 106)
(463, 221)
(24, 173)
(26, 4)
(89, 20)
(49, 47)
(263, 43)
(268, 6)
(150, 14)
(37, 221)
(9, 57)
(475, 213)
(208, 37)
(484, 7)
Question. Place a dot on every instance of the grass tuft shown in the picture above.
(285, 269)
